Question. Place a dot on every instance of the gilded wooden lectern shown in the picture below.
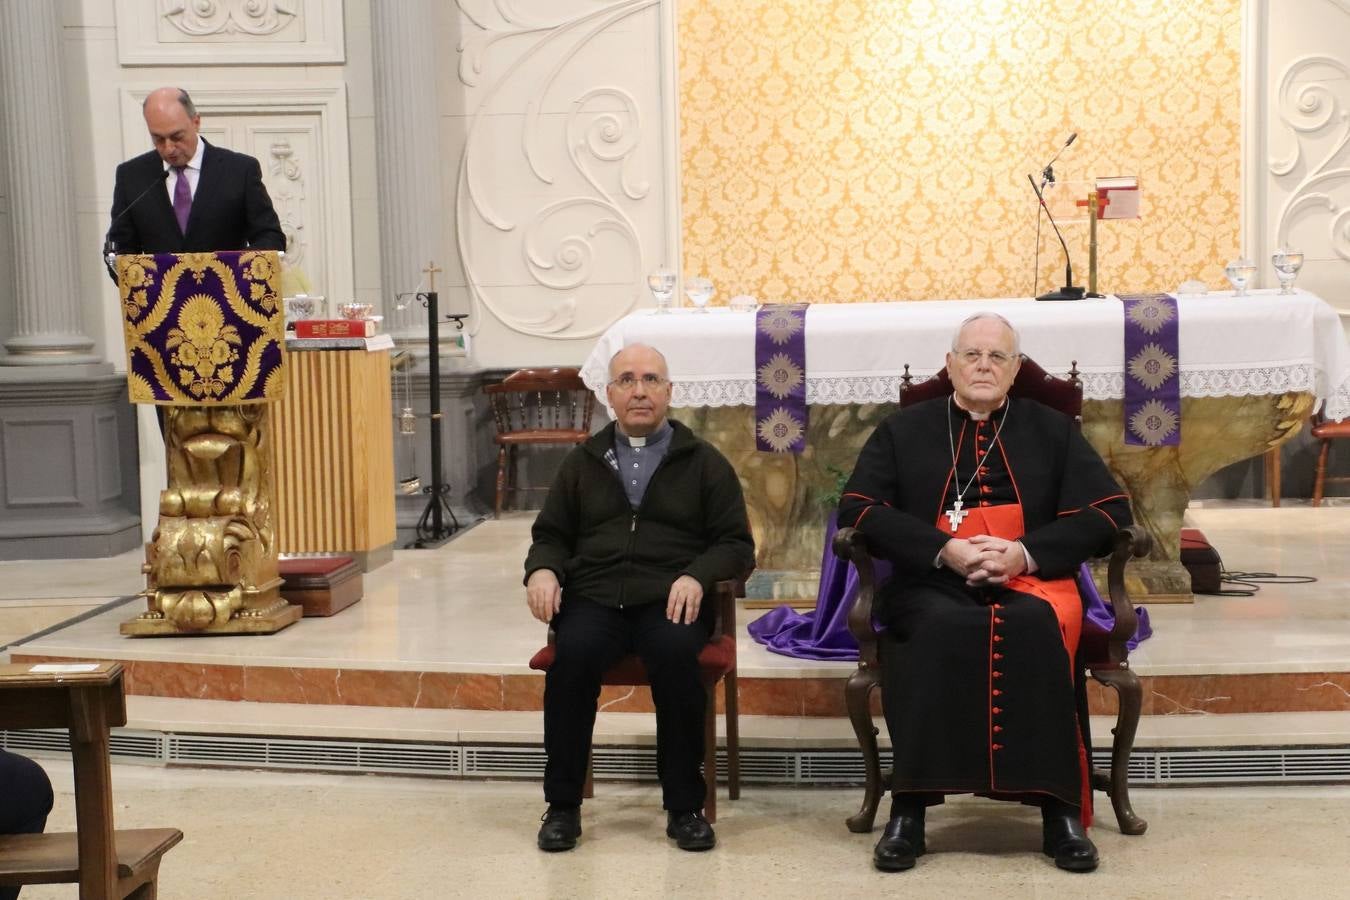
(205, 342)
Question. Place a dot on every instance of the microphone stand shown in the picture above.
(1069, 291)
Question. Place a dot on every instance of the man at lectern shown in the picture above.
(639, 523)
(187, 195)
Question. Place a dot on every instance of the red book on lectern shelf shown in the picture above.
(334, 328)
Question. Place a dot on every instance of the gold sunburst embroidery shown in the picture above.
(1151, 314)
(203, 347)
(1153, 423)
(781, 324)
(1153, 366)
(780, 376)
(780, 430)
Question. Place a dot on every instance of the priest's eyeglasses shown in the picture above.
(997, 358)
(628, 381)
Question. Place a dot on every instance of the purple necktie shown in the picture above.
(182, 198)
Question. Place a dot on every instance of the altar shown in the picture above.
(1252, 369)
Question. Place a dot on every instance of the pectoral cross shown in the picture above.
(956, 515)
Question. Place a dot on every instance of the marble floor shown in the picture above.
(322, 837)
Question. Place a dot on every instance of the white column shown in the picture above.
(34, 131)
(407, 154)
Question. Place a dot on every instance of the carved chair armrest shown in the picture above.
(851, 544)
(1131, 541)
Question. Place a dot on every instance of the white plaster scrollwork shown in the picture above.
(258, 18)
(288, 197)
(1317, 115)
(602, 135)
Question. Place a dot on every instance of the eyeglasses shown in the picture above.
(997, 358)
(627, 381)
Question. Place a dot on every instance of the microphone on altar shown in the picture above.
(1069, 291)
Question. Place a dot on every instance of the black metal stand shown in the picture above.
(431, 527)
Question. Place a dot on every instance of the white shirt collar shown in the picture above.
(196, 161)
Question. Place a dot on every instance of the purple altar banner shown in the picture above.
(202, 328)
(1152, 370)
(780, 378)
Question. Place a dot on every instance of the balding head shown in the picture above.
(172, 120)
(638, 389)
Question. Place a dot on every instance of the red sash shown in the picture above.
(1005, 521)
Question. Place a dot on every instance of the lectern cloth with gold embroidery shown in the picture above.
(203, 329)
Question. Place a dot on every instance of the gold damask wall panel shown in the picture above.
(849, 150)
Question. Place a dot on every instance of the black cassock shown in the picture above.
(978, 684)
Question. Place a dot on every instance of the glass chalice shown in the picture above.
(1287, 263)
(699, 290)
(662, 285)
(1240, 273)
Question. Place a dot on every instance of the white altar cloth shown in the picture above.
(856, 352)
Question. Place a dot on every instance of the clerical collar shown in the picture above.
(978, 416)
(662, 432)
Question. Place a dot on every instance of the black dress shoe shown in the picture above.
(561, 828)
(1066, 840)
(900, 845)
(690, 830)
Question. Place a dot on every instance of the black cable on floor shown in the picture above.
(1251, 582)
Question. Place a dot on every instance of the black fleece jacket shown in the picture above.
(691, 521)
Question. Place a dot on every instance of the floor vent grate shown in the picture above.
(1213, 766)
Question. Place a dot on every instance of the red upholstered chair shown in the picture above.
(1326, 432)
(1101, 654)
(536, 407)
(716, 663)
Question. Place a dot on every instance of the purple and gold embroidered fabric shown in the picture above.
(780, 378)
(203, 328)
(1152, 370)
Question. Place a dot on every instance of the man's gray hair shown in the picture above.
(1017, 338)
(188, 106)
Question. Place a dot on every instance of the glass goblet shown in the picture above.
(662, 285)
(1240, 273)
(1287, 263)
(699, 290)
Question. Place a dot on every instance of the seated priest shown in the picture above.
(986, 506)
(638, 525)
(25, 801)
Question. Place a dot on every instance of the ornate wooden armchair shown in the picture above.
(532, 407)
(1101, 654)
(716, 662)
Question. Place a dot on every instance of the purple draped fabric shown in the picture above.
(1152, 370)
(823, 632)
(203, 328)
(1099, 612)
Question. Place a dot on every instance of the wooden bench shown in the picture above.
(107, 864)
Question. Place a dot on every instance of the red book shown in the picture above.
(334, 328)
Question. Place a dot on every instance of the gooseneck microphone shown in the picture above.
(1048, 173)
(1069, 291)
(109, 248)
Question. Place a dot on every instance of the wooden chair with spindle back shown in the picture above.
(534, 407)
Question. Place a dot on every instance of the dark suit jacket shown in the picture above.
(230, 211)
